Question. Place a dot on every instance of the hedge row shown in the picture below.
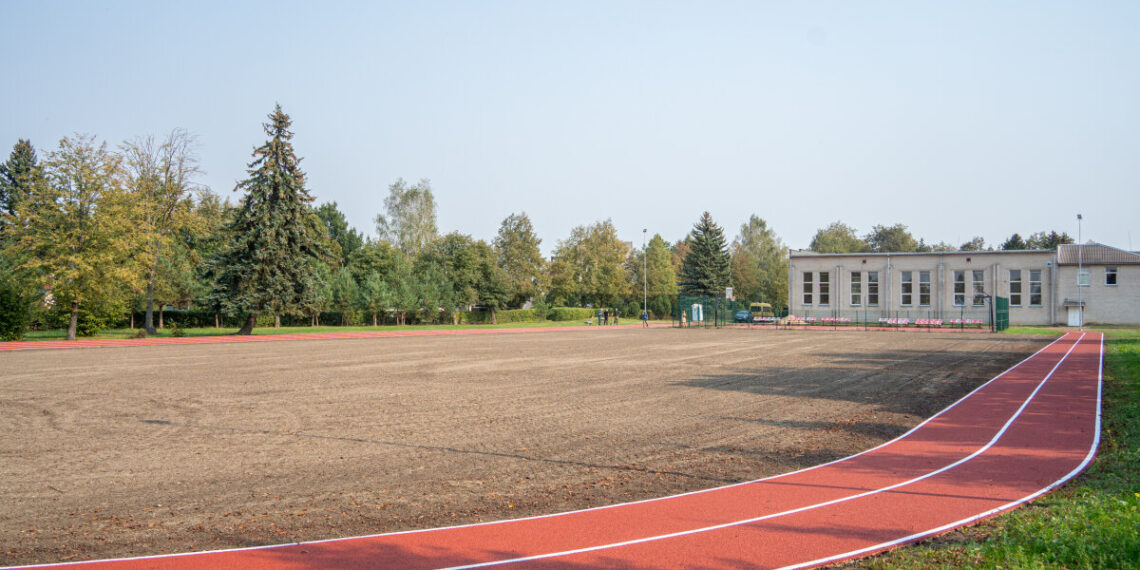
(198, 318)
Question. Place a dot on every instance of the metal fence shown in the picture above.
(714, 312)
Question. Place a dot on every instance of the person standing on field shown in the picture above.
(645, 319)
(606, 317)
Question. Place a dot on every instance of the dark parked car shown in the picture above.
(742, 317)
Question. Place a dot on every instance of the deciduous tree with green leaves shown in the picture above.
(408, 221)
(760, 264)
(838, 237)
(517, 250)
(589, 267)
(75, 232)
(660, 283)
(275, 239)
(161, 177)
(977, 243)
(896, 238)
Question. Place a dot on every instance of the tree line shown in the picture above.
(91, 235)
(838, 237)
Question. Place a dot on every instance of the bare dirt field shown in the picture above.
(129, 451)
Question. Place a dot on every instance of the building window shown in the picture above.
(1110, 276)
(1034, 287)
(924, 288)
(979, 287)
(959, 288)
(856, 288)
(1083, 277)
(907, 289)
(1015, 287)
(825, 288)
(807, 287)
(873, 288)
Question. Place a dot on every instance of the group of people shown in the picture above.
(605, 314)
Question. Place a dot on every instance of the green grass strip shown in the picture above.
(1091, 522)
(165, 333)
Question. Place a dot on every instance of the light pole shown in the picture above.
(1080, 269)
(644, 275)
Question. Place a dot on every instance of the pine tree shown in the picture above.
(708, 268)
(16, 177)
(275, 238)
(1014, 243)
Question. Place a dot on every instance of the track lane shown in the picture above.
(949, 436)
(1039, 451)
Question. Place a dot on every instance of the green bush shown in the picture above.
(511, 316)
(15, 309)
(541, 309)
(571, 314)
(91, 318)
(631, 311)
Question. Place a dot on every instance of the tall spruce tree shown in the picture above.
(275, 239)
(16, 178)
(707, 268)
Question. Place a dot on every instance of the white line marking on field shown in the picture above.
(565, 513)
(1088, 458)
(981, 450)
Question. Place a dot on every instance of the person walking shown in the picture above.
(644, 319)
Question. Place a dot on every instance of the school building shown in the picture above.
(1044, 287)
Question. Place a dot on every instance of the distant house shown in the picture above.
(1109, 284)
(1041, 285)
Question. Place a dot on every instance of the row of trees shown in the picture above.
(841, 238)
(91, 234)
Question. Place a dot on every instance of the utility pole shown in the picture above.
(1080, 269)
(644, 275)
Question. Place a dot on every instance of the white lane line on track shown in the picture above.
(1088, 459)
(981, 450)
(565, 513)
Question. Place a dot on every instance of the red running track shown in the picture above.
(1023, 433)
(155, 341)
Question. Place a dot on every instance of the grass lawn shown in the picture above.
(1091, 522)
(162, 333)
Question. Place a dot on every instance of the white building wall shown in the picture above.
(1104, 304)
(933, 297)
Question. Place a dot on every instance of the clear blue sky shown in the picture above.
(954, 118)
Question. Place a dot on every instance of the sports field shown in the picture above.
(141, 450)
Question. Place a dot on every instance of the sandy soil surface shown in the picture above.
(129, 451)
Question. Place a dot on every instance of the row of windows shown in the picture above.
(972, 281)
(1084, 277)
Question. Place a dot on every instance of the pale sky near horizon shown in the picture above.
(954, 118)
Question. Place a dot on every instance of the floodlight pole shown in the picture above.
(1080, 269)
(644, 275)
